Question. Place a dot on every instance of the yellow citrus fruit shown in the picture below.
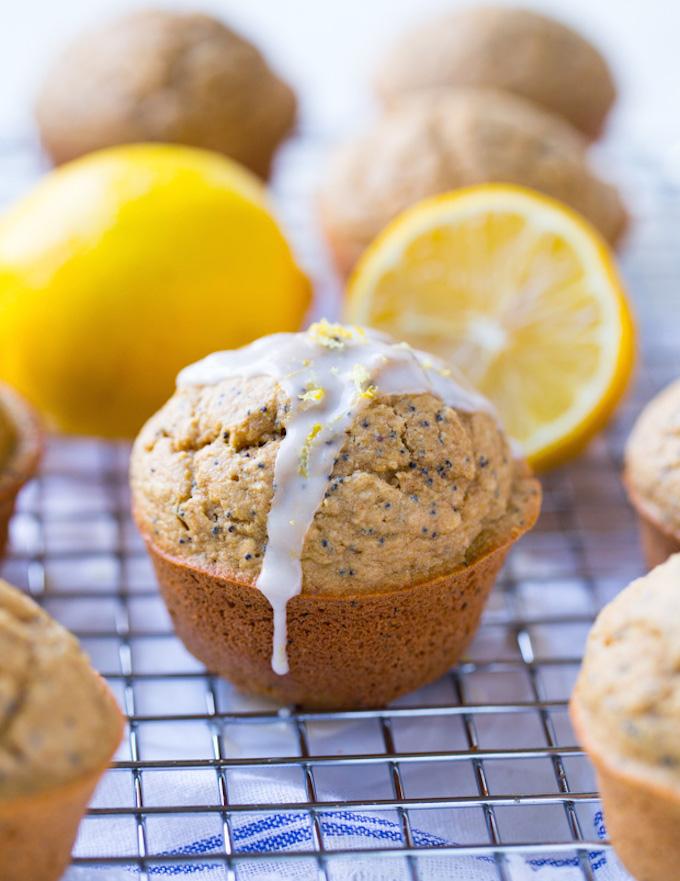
(522, 294)
(124, 266)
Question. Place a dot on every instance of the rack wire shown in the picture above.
(486, 754)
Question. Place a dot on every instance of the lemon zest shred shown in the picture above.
(314, 394)
(303, 468)
(332, 336)
(369, 392)
(361, 379)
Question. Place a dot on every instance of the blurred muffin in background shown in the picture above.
(165, 76)
(426, 146)
(515, 50)
(652, 474)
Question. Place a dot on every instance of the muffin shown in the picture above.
(59, 727)
(515, 50)
(326, 513)
(20, 450)
(626, 712)
(157, 75)
(431, 145)
(652, 474)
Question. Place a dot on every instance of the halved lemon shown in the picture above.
(522, 294)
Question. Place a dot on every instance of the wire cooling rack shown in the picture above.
(479, 766)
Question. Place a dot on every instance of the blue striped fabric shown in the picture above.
(276, 833)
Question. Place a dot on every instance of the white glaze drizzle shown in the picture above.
(329, 374)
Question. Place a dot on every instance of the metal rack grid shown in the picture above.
(481, 766)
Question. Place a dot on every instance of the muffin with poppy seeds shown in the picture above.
(326, 521)
(626, 713)
(59, 727)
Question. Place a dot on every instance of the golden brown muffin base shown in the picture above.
(343, 651)
(23, 462)
(642, 817)
(37, 831)
(658, 542)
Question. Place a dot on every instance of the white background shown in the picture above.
(327, 48)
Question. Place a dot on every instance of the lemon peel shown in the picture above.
(303, 468)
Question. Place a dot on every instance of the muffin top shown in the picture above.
(413, 483)
(157, 75)
(629, 686)
(436, 143)
(58, 721)
(516, 50)
(653, 459)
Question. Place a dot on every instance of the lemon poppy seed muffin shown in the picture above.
(20, 450)
(434, 144)
(412, 489)
(55, 713)
(626, 710)
(155, 75)
(515, 50)
(59, 727)
(652, 474)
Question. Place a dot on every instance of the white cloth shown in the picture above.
(355, 829)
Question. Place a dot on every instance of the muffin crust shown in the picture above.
(414, 487)
(433, 144)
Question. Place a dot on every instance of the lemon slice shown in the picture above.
(521, 294)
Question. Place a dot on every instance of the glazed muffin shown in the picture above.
(59, 727)
(326, 513)
(165, 76)
(436, 144)
(626, 712)
(652, 474)
(20, 450)
(515, 50)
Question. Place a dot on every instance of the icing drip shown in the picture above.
(329, 374)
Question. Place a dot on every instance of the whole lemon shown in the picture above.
(120, 268)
